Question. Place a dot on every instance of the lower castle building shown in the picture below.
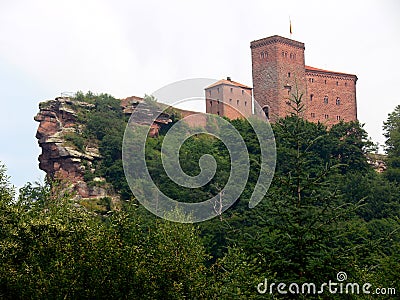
(279, 70)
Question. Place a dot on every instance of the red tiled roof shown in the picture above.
(308, 68)
(228, 82)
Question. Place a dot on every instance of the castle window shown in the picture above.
(218, 113)
(337, 82)
(288, 74)
(264, 54)
(283, 53)
(326, 116)
(338, 118)
(337, 101)
(325, 81)
(242, 92)
(218, 90)
(230, 100)
(245, 103)
(326, 99)
(311, 80)
(345, 84)
(311, 97)
(237, 102)
(312, 115)
(210, 103)
(266, 111)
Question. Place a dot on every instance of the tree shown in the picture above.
(6, 190)
(392, 134)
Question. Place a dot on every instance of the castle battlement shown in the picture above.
(274, 40)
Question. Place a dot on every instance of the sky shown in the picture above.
(125, 48)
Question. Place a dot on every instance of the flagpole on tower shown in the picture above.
(290, 27)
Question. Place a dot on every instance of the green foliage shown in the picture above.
(392, 133)
(326, 211)
(6, 191)
(76, 139)
(60, 250)
(104, 124)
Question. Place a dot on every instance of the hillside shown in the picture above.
(327, 216)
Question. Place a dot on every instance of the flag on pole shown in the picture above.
(290, 26)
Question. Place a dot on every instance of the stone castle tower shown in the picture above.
(279, 70)
(278, 66)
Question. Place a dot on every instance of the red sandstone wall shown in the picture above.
(334, 87)
(277, 63)
(279, 70)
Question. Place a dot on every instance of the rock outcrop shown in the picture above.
(59, 159)
(63, 160)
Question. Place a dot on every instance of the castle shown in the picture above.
(278, 69)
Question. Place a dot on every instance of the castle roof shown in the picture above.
(322, 71)
(228, 82)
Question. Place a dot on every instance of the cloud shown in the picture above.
(67, 44)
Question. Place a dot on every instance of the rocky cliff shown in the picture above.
(64, 160)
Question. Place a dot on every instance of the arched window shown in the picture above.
(326, 99)
(266, 111)
(311, 97)
(337, 101)
(263, 54)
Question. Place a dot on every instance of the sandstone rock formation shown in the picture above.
(61, 159)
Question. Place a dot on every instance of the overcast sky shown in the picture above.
(130, 47)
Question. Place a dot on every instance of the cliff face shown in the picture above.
(61, 158)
